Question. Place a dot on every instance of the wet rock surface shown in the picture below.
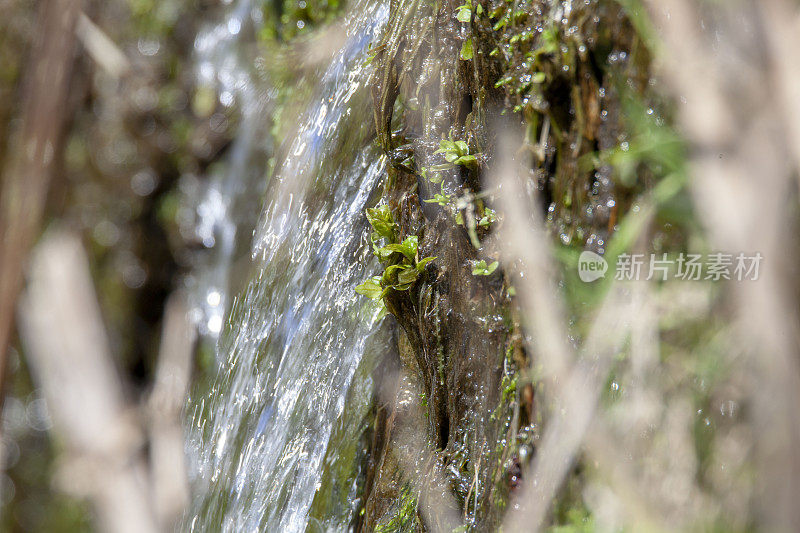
(555, 74)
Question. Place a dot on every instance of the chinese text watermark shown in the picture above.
(684, 267)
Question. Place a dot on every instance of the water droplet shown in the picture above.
(215, 324)
(214, 298)
(148, 47)
(38, 415)
(133, 273)
(106, 233)
(144, 182)
(226, 98)
(234, 25)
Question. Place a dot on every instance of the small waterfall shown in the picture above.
(224, 213)
(296, 335)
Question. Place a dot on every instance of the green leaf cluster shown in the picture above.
(488, 217)
(480, 268)
(440, 198)
(401, 259)
(383, 224)
(456, 152)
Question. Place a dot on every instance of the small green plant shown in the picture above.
(403, 265)
(431, 173)
(383, 224)
(456, 152)
(488, 217)
(480, 268)
(508, 388)
(469, 208)
(466, 49)
(442, 198)
(464, 12)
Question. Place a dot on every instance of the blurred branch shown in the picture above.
(102, 49)
(740, 81)
(71, 361)
(165, 405)
(28, 172)
(70, 358)
(575, 382)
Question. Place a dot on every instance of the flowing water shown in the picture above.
(225, 211)
(267, 440)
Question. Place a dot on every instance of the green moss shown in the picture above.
(404, 518)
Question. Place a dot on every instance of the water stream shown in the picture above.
(224, 218)
(295, 348)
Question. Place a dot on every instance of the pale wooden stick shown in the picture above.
(575, 383)
(102, 49)
(69, 354)
(167, 461)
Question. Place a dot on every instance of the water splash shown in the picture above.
(297, 333)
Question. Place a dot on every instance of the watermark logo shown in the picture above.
(591, 267)
(684, 267)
